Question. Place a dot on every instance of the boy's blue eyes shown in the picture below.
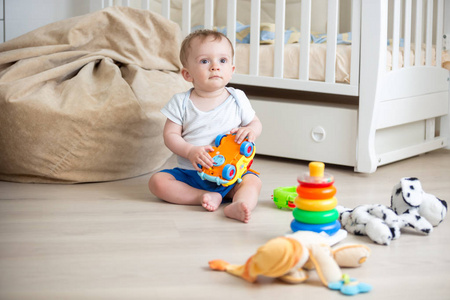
(205, 61)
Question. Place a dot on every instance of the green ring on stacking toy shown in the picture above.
(315, 217)
(315, 205)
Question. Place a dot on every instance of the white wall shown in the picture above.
(22, 16)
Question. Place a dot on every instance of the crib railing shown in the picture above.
(303, 82)
(276, 80)
(428, 29)
(413, 92)
(404, 12)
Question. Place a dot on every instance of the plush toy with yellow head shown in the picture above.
(290, 258)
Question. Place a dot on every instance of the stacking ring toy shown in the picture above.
(316, 205)
(329, 228)
(316, 193)
(315, 217)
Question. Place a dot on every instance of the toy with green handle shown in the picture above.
(284, 197)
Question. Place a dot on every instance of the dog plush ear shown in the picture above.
(407, 194)
(412, 191)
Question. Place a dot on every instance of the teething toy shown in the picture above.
(284, 197)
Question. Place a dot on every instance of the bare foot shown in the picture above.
(238, 211)
(211, 201)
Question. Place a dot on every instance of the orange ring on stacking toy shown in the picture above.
(316, 205)
(316, 193)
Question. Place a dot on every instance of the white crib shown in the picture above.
(380, 113)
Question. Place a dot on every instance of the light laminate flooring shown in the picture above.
(115, 240)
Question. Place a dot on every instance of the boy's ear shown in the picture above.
(186, 75)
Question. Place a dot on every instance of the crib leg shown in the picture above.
(366, 160)
(373, 45)
(445, 122)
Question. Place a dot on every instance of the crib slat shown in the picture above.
(356, 29)
(305, 40)
(231, 22)
(407, 36)
(95, 5)
(280, 11)
(145, 4)
(439, 32)
(186, 18)
(418, 41)
(333, 12)
(255, 22)
(209, 14)
(396, 35)
(165, 9)
(430, 129)
(429, 33)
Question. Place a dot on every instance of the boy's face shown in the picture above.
(209, 64)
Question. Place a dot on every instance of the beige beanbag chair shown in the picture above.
(80, 99)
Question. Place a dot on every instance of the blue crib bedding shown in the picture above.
(267, 34)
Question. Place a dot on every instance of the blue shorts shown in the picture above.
(191, 178)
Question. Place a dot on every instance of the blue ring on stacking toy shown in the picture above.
(328, 228)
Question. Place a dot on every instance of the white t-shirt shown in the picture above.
(200, 128)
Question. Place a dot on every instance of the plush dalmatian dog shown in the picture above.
(410, 207)
(380, 223)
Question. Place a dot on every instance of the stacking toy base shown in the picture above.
(328, 228)
(331, 240)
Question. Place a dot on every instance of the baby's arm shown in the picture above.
(252, 131)
(175, 142)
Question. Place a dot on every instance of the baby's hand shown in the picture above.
(199, 155)
(242, 133)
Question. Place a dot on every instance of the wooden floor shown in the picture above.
(115, 240)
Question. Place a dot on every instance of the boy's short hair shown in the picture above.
(202, 34)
